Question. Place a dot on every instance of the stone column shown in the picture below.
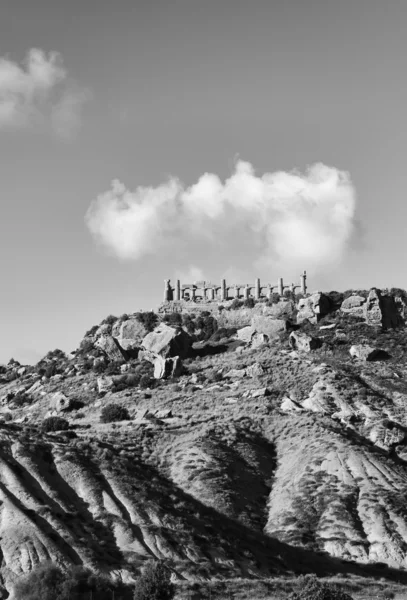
(257, 289)
(223, 290)
(236, 291)
(246, 292)
(270, 292)
(211, 294)
(303, 284)
(281, 287)
(192, 293)
(178, 290)
(167, 290)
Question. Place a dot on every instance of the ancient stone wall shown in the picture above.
(204, 292)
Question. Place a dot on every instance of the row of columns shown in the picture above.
(212, 290)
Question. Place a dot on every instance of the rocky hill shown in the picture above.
(259, 441)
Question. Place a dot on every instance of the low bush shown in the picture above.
(21, 399)
(312, 588)
(50, 582)
(154, 583)
(55, 424)
(114, 412)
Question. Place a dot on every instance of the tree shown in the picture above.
(154, 583)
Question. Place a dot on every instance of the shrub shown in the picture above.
(55, 424)
(173, 319)
(146, 381)
(109, 320)
(236, 303)
(49, 582)
(148, 319)
(154, 583)
(91, 331)
(249, 303)
(21, 399)
(312, 588)
(114, 412)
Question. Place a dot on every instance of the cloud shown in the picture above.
(288, 219)
(39, 93)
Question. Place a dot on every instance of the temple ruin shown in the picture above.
(205, 291)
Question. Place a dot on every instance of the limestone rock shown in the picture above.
(284, 309)
(168, 342)
(260, 393)
(111, 348)
(268, 326)
(236, 373)
(167, 367)
(354, 305)
(105, 384)
(246, 333)
(313, 308)
(364, 352)
(255, 370)
(372, 310)
(131, 334)
(288, 405)
(391, 316)
(258, 339)
(59, 402)
(303, 342)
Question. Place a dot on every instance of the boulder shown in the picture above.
(131, 334)
(313, 308)
(236, 373)
(167, 367)
(168, 342)
(105, 384)
(111, 348)
(59, 402)
(260, 393)
(303, 342)
(372, 311)
(283, 309)
(255, 370)
(288, 405)
(258, 339)
(365, 352)
(391, 316)
(268, 326)
(354, 305)
(245, 334)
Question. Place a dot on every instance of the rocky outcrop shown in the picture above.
(111, 348)
(372, 311)
(313, 308)
(354, 305)
(268, 326)
(303, 342)
(105, 384)
(365, 352)
(168, 342)
(167, 367)
(59, 402)
(131, 334)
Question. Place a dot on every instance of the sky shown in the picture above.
(145, 140)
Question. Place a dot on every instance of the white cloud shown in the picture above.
(284, 218)
(39, 93)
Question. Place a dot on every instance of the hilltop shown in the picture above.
(255, 440)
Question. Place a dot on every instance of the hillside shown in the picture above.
(270, 447)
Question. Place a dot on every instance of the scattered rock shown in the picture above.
(105, 384)
(288, 405)
(268, 326)
(354, 305)
(330, 326)
(236, 373)
(59, 402)
(366, 352)
(259, 339)
(245, 334)
(372, 311)
(260, 393)
(167, 367)
(303, 342)
(313, 308)
(255, 370)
